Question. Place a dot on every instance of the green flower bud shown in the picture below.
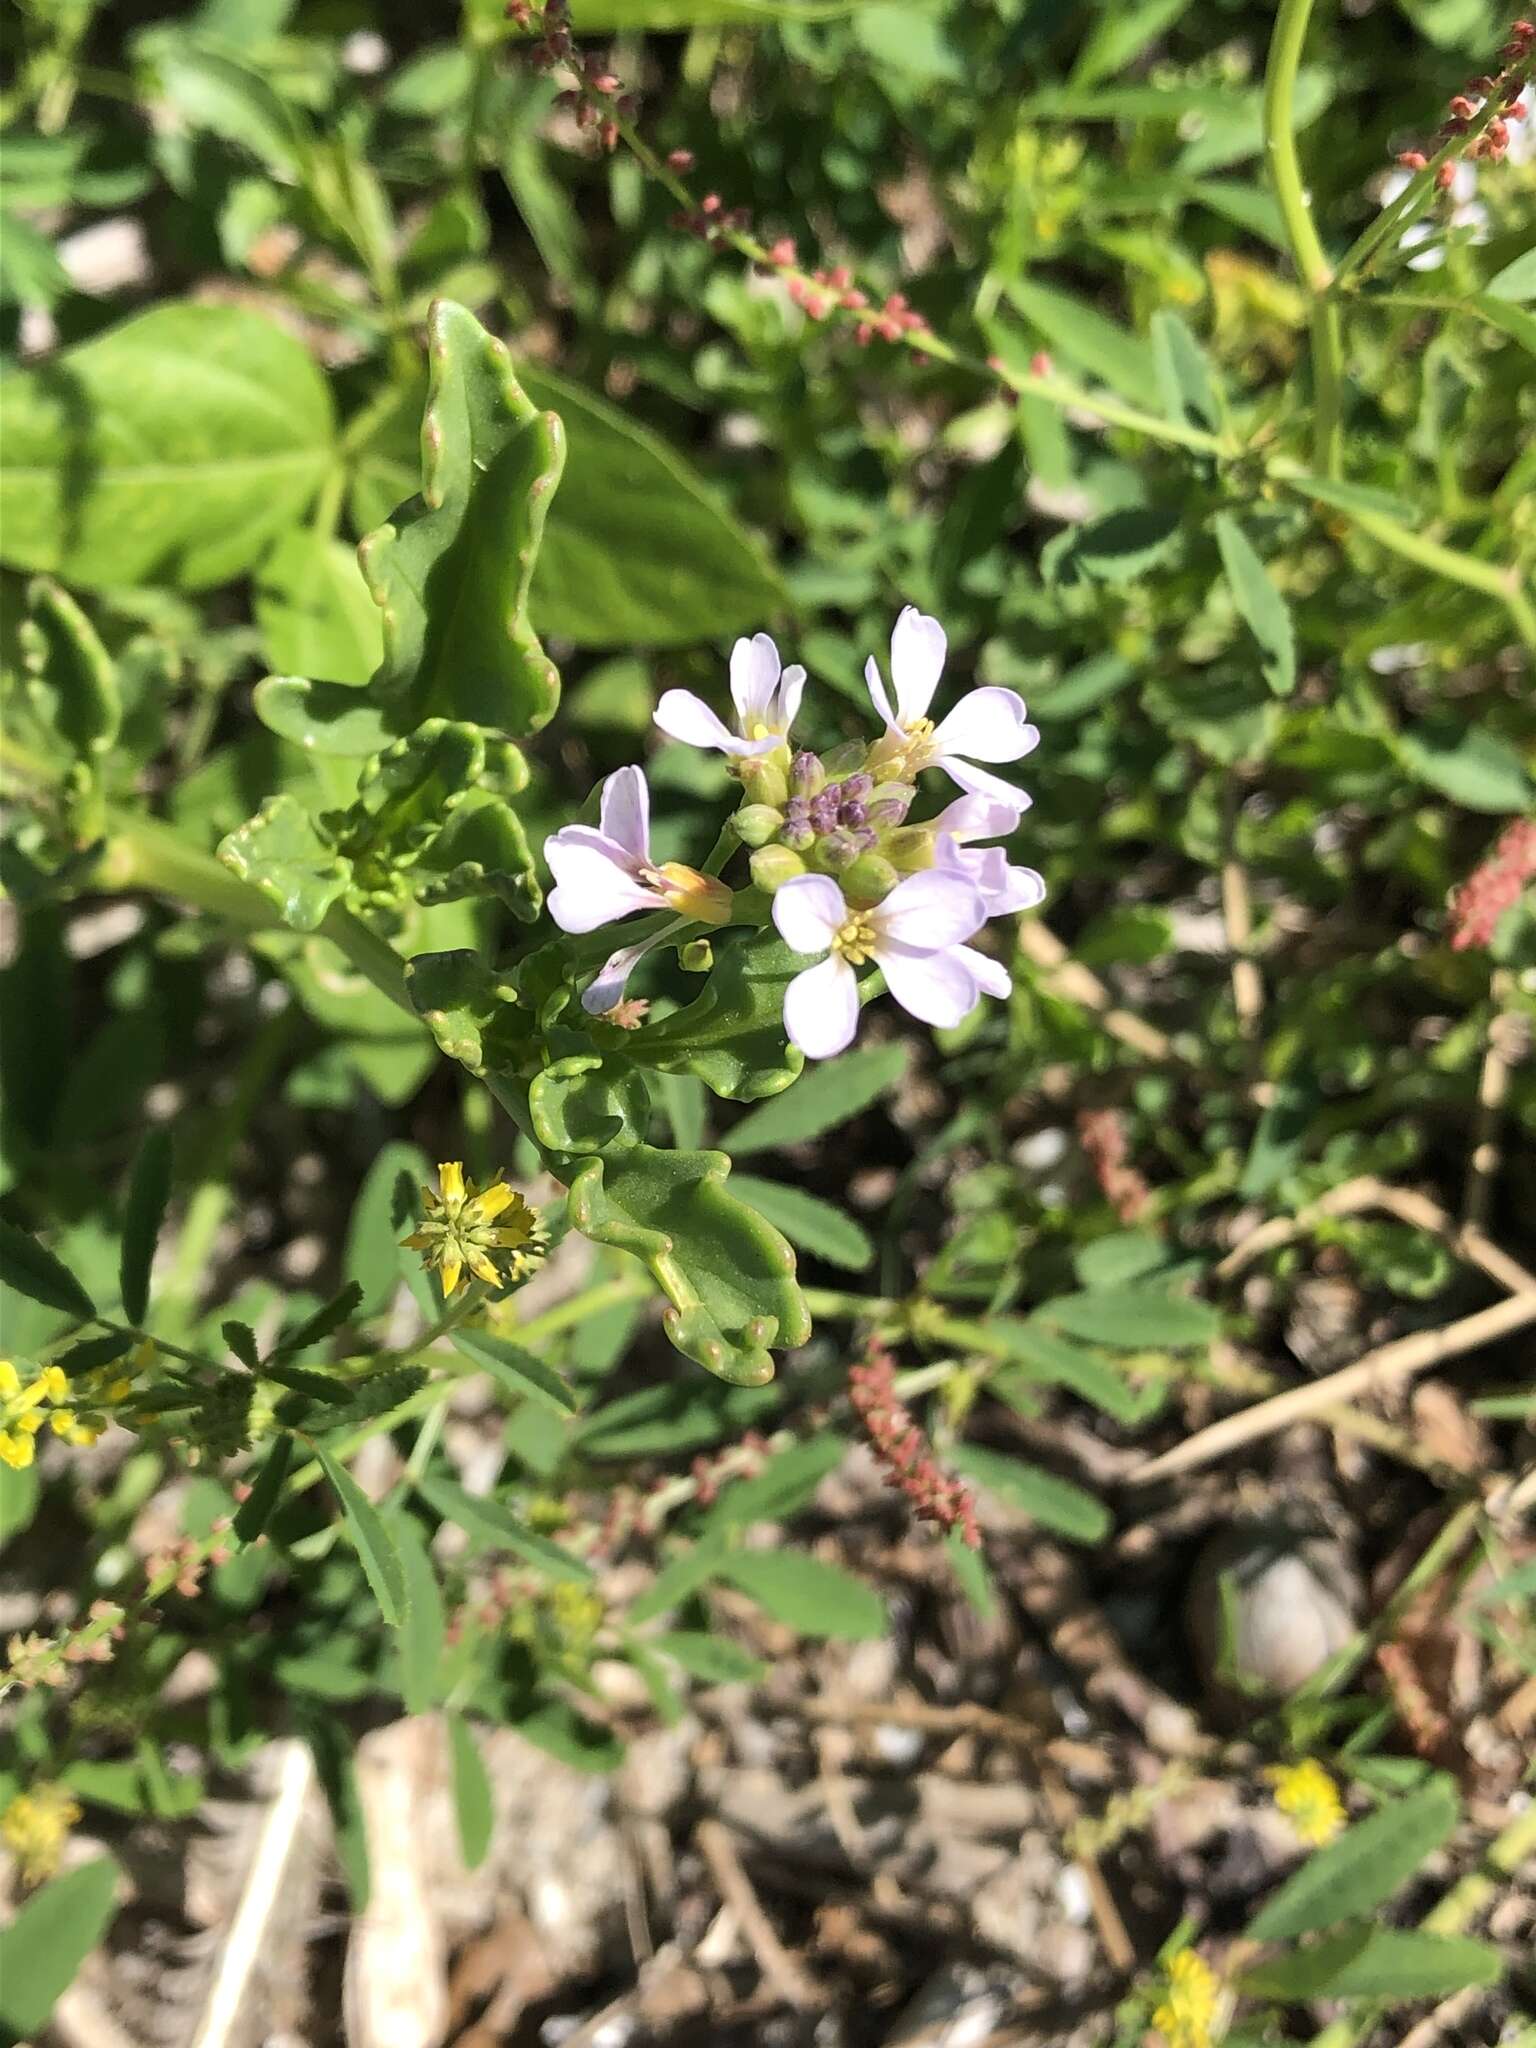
(844, 760)
(807, 777)
(756, 824)
(870, 880)
(837, 852)
(772, 866)
(910, 848)
(890, 804)
(765, 780)
(697, 957)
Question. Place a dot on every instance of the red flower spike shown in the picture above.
(1413, 160)
(680, 159)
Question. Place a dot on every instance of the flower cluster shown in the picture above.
(597, 97)
(1190, 2014)
(910, 1466)
(491, 1231)
(35, 1826)
(75, 1412)
(853, 880)
(1495, 887)
(1101, 1133)
(1309, 1799)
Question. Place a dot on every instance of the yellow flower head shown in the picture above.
(1189, 2016)
(35, 1827)
(1309, 1799)
(45, 1394)
(492, 1231)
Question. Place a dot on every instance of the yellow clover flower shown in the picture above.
(1309, 1799)
(1189, 2016)
(35, 1827)
(491, 1230)
(46, 1395)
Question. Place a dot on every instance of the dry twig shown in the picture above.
(779, 1968)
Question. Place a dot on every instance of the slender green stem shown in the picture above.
(1280, 71)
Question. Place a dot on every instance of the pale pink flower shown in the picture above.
(1003, 889)
(916, 936)
(766, 699)
(987, 725)
(608, 872)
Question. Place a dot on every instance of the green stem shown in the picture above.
(1307, 252)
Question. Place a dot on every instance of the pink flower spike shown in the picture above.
(988, 725)
(766, 698)
(915, 936)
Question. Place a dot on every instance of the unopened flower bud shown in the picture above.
(910, 848)
(798, 834)
(807, 777)
(858, 788)
(824, 809)
(890, 806)
(870, 880)
(837, 852)
(694, 895)
(697, 957)
(850, 813)
(756, 824)
(847, 759)
(764, 780)
(773, 866)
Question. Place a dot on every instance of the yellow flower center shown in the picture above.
(854, 940)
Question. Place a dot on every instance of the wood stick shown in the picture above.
(779, 1968)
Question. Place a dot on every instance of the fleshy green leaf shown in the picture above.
(1364, 1867)
(371, 1539)
(1054, 1503)
(171, 448)
(72, 678)
(831, 1093)
(149, 1190)
(1263, 608)
(639, 554)
(283, 853)
(809, 1596)
(50, 1937)
(731, 1036)
(33, 1270)
(451, 572)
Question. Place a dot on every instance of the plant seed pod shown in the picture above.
(772, 866)
(756, 824)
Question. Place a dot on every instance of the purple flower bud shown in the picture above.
(806, 774)
(858, 788)
(824, 811)
(797, 834)
(890, 805)
(797, 808)
(851, 814)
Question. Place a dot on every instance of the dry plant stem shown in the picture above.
(779, 1968)
(1408, 1205)
(1506, 1855)
(1380, 1368)
(1069, 979)
(1429, 2032)
(1237, 915)
(1492, 1089)
(1066, 1813)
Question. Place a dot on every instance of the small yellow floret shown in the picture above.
(35, 1827)
(1309, 1799)
(1188, 2016)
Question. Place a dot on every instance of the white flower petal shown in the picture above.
(981, 817)
(874, 682)
(990, 976)
(808, 911)
(917, 662)
(821, 1007)
(979, 781)
(626, 812)
(683, 716)
(754, 678)
(939, 988)
(987, 725)
(1394, 185)
(927, 912)
(1463, 182)
(595, 880)
(613, 977)
(791, 689)
(1022, 889)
